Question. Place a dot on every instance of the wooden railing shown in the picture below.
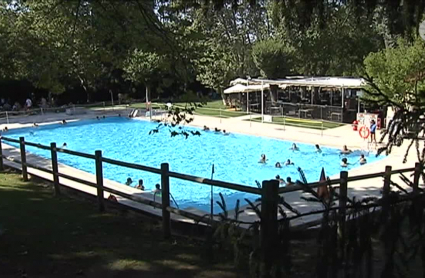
(269, 191)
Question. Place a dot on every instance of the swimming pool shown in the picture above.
(235, 156)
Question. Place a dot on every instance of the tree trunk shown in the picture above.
(223, 96)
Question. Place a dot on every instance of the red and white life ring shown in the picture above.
(364, 132)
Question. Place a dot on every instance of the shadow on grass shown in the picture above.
(48, 236)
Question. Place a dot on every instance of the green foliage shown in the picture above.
(398, 73)
(274, 58)
(142, 67)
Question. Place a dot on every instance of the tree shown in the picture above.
(274, 58)
(396, 78)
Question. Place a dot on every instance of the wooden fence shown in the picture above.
(269, 191)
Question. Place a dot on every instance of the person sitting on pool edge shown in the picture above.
(345, 150)
(318, 149)
(344, 162)
(206, 128)
(129, 181)
(289, 162)
(294, 147)
(362, 160)
(277, 165)
(263, 159)
(140, 185)
(35, 125)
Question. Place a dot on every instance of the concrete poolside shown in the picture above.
(332, 137)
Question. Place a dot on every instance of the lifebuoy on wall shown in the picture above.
(364, 132)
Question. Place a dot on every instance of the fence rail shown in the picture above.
(269, 190)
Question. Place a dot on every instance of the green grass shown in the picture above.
(46, 236)
(304, 123)
(210, 108)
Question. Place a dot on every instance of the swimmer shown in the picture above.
(5, 129)
(103, 117)
(277, 165)
(318, 149)
(289, 162)
(206, 128)
(35, 125)
(140, 185)
(289, 181)
(32, 133)
(344, 162)
(129, 181)
(345, 150)
(97, 118)
(119, 115)
(362, 160)
(63, 122)
(263, 159)
(64, 145)
(294, 147)
(281, 181)
(225, 133)
(157, 188)
(217, 130)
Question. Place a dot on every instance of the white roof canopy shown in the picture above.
(327, 82)
(239, 88)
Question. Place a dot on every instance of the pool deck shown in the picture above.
(335, 137)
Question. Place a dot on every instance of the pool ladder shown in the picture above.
(174, 200)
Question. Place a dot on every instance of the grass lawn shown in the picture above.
(305, 123)
(211, 108)
(46, 236)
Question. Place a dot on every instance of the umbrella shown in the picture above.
(322, 190)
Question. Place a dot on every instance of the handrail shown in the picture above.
(10, 139)
(86, 155)
(131, 165)
(37, 145)
(337, 181)
(228, 185)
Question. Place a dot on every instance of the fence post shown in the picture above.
(343, 189)
(321, 129)
(284, 123)
(165, 188)
(1, 157)
(99, 180)
(386, 191)
(269, 226)
(54, 156)
(7, 117)
(23, 159)
(416, 176)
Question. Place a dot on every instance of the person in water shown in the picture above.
(277, 165)
(294, 147)
(362, 160)
(129, 181)
(206, 128)
(157, 188)
(140, 185)
(281, 181)
(289, 162)
(225, 133)
(5, 129)
(263, 159)
(63, 122)
(289, 181)
(64, 145)
(318, 149)
(97, 117)
(217, 130)
(345, 150)
(35, 125)
(344, 162)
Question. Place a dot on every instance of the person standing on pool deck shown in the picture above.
(372, 131)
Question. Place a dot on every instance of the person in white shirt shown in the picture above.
(28, 103)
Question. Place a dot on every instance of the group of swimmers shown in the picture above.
(141, 186)
(216, 130)
(294, 147)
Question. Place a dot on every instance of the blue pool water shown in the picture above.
(235, 156)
